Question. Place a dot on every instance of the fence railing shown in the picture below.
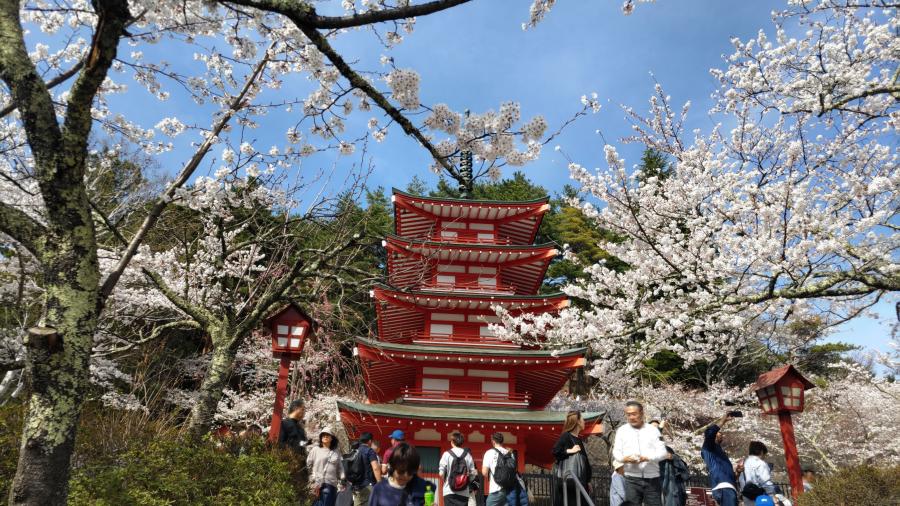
(540, 486)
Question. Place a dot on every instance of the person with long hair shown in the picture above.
(325, 470)
(567, 446)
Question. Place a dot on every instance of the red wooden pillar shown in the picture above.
(791, 457)
(280, 393)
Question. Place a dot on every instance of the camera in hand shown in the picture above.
(735, 414)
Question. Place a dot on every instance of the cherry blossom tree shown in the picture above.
(58, 87)
(244, 261)
(782, 215)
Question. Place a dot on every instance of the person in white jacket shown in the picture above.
(639, 447)
(756, 470)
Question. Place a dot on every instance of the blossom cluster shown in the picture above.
(780, 221)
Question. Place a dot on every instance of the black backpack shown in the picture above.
(458, 478)
(506, 472)
(354, 467)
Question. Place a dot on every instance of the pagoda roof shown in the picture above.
(414, 412)
(512, 353)
(520, 267)
(402, 312)
(424, 300)
(389, 368)
(416, 216)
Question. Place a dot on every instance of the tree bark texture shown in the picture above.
(57, 358)
(225, 345)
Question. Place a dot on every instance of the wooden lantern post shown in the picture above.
(781, 391)
(290, 327)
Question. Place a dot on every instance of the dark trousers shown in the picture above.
(725, 497)
(642, 492)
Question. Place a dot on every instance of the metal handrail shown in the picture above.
(569, 475)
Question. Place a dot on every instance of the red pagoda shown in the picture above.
(435, 366)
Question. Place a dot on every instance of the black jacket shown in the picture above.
(292, 435)
(567, 441)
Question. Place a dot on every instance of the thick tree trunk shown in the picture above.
(57, 355)
(57, 359)
(214, 383)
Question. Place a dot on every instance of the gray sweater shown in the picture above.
(324, 466)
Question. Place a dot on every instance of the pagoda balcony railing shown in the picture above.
(474, 340)
(515, 400)
(471, 239)
(470, 286)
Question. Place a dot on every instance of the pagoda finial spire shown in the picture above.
(466, 185)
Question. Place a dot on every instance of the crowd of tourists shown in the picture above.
(646, 472)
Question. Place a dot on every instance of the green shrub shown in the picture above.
(12, 416)
(171, 472)
(856, 486)
(130, 458)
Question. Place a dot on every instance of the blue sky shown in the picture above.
(477, 56)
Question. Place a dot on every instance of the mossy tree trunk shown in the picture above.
(58, 353)
(225, 345)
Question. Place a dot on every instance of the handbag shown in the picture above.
(576, 464)
(751, 490)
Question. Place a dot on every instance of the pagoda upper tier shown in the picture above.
(486, 268)
(441, 317)
(467, 221)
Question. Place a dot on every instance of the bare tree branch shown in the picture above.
(357, 81)
(199, 314)
(28, 90)
(305, 14)
(61, 78)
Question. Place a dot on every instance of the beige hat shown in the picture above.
(616, 464)
(326, 430)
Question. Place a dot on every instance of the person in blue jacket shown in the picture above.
(402, 486)
(721, 472)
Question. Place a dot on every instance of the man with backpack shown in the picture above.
(456, 468)
(362, 470)
(501, 472)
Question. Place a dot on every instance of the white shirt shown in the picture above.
(490, 461)
(444, 470)
(631, 442)
(756, 471)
